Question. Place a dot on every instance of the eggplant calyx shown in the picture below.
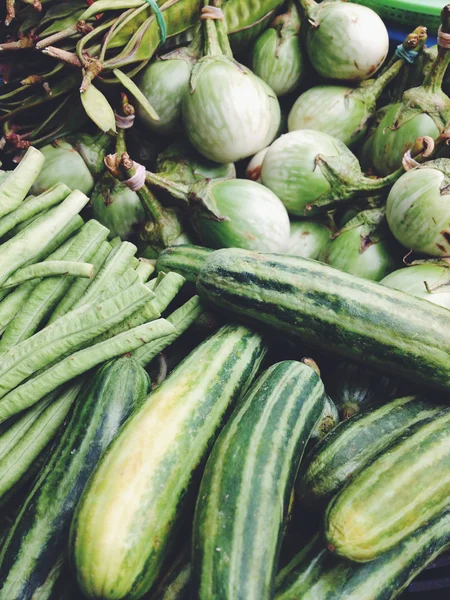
(202, 201)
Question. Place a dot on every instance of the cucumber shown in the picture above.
(353, 444)
(400, 491)
(246, 487)
(333, 310)
(315, 573)
(176, 582)
(327, 421)
(354, 389)
(187, 260)
(39, 534)
(128, 518)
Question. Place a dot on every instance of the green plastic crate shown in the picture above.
(409, 13)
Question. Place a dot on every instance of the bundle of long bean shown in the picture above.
(71, 300)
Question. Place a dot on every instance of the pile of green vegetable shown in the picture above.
(224, 294)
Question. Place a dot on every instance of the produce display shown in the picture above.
(224, 299)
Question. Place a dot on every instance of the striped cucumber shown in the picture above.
(246, 487)
(315, 573)
(128, 518)
(176, 581)
(335, 311)
(400, 491)
(355, 389)
(39, 534)
(187, 260)
(346, 450)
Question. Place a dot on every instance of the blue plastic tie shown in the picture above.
(408, 55)
(160, 20)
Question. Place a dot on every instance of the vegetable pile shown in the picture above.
(224, 301)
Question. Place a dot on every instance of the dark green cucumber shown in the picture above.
(400, 491)
(353, 444)
(316, 573)
(176, 582)
(354, 389)
(28, 436)
(39, 534)
(333, 310)
(187, 260)
(246, 487)
(128, 521)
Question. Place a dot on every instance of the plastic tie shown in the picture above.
(160, 20)
(212, 12)
(408, 55)
(124, 122)
(408, 162)
(136, 182)
(443, 38)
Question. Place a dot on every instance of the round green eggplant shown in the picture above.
(277, 55)
(428, 281)
(181, 162)
(308, 238)
(333, 110)
(253, 170)
(389, 143)
(289, 168)
(351, 253)
(117, 207)
(164, 83)
(252, 217)
(227, 113)
(418, 209)
(63, 164)
(345, 41)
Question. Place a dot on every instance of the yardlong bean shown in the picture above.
(15, 300)
(164, 294)
(67, 335)
(33, 207)
(181, 319)
(26, 438)
(50, 268)
(79, 287)
(36, 388)
(48, 292)
(17, 184)
(115, 265)
(32, 241)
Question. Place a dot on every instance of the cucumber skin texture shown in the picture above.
(187, 260)
(316, 573)
(129, 516)
(246, 487)
(400, 491)
(39, 534)
(353, 444)
(332, 310)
